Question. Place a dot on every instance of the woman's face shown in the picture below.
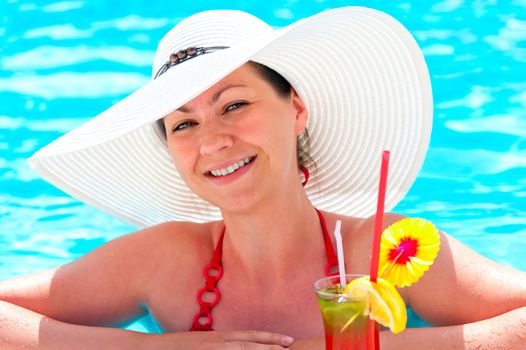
(236, 142)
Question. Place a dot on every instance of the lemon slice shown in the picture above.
(385, 305)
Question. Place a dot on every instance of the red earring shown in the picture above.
(306, 174)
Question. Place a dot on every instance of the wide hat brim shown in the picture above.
(360, 73)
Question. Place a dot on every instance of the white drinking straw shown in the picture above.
(339, 249)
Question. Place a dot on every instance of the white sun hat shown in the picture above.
(360, 73)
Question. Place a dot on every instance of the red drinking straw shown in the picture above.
(379, 219)
(378, 227)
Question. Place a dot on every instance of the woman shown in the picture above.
(211, 156)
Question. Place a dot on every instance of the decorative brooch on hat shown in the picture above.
(184, 55)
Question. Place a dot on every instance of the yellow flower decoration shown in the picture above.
(407, 249)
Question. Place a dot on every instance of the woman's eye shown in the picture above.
(183, 125)
(235, 105)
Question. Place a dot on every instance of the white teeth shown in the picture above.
(230, 169)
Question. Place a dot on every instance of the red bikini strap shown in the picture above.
(210, 287)
(332, 259)
(211, 280)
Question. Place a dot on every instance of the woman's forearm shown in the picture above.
(504, 332)
(24, 329)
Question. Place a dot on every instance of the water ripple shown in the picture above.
(508, 124)
(58, 32)
(62, 6)
(72, 84)
(45, 57)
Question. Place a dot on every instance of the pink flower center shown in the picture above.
(405, 250)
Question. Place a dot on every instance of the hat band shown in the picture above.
(184, 55)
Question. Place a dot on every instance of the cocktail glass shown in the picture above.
(345, 319)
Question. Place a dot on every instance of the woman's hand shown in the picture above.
(244, 340)
(309, 344)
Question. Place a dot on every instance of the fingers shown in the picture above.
(239, 338)
(257, 337)
(232, 340)
(250, 346)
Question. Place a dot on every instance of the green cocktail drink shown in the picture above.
(345, 316)
(406, 249)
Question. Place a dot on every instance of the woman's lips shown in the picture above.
(232, 172)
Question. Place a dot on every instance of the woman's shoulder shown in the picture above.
(182, 229)
(159, 247)
(357, 234)
(177, 236)
(366, 225)
(165, 252)
(353, 225)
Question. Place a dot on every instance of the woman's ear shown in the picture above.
(302, 115)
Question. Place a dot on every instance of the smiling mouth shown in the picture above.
(231, 168)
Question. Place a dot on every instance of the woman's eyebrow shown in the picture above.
(215, 97)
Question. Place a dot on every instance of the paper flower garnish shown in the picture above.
(407, 249)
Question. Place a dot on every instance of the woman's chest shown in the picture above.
(287, 308)
(291, 310)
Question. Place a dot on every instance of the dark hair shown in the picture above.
(276, 80)
(283, 89)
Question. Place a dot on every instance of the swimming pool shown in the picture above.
(64, 62)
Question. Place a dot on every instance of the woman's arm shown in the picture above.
(21, 328)
(24, 329)
(101, 288)
(53, 309)
(503, 332)
(68, 307)
(475, 302)
(480, 303)
(464, 287)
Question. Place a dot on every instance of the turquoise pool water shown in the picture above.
(64, 62)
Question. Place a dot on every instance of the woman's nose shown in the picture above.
(214, 139)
